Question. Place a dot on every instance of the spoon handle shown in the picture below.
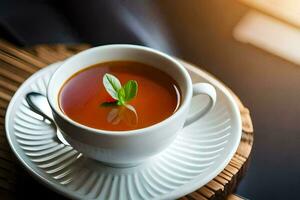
(38, 103)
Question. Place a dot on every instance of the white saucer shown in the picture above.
(201, 151)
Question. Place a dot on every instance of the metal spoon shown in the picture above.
(39, 104)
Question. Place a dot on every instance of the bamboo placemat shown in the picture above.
(18, 64)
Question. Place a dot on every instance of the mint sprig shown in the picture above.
(122, 94)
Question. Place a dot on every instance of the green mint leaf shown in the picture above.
(130, 89)
(121, 96)
(112, 85)
(109, 104)
(116, 91)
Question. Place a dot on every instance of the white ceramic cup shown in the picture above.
(126, 148)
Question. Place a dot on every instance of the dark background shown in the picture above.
(198, 31)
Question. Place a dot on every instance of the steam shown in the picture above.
(145, 21)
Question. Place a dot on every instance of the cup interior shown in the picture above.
(118, 53)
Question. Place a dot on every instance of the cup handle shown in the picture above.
(206, 89)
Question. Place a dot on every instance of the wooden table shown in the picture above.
(17, 64)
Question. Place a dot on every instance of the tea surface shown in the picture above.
(81, 97)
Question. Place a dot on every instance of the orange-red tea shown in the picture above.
(81, 97)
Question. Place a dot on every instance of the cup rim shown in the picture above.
(184, 105)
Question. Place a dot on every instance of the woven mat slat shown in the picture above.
(196, 195)
(215, 185)
(225, 176)
(8, 74)
(220, 179)
(234, 197)
(2, 111)
(7, 84)
(17, 64)
(56, 53)
(3, 104)
(21, 54)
